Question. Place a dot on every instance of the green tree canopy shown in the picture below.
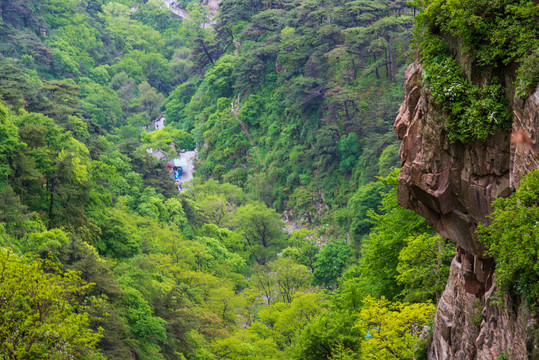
(40, 316)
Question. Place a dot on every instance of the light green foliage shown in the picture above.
(156, 15)
(303, 247)
(129, 34)
(325, 335)
(290, 277)
(101, 103)
(46, 243)
(392, 329)
(280, 280)
(58, 12)
(381, 248)
(424, 266)
(273, 334)
(40, 317)
(389, 159)
(233, 348)
(510, 238)
(168, 140)
(120, 237)
(215, 209)
(192, 27)
(233, 241)
(220, 253)
(146, 328)
(150, 100)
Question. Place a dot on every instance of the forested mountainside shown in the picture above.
(289, 243)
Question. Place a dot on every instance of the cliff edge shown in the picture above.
(453, 185)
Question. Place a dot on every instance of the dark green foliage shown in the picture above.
(9, 146)
(422, 346)
(349, 151)
(15, 87)
(492, 32)
(261, 228)
(330, 263)
(367, 198)
(219, 77)
(476, 112)
(300, 101)
(528, 74)
(12, 213)
(511, 235)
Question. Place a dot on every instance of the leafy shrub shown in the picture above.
(476, 112)
(512, 239)
(490, 33)
(528, 74)
(477, 316)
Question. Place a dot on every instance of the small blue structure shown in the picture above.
(177, 165)
(177, 173)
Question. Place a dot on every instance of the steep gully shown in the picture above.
(188, 156)
(452, 185)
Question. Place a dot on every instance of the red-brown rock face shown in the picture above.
(453, 186)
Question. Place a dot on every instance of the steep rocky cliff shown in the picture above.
(452, 185)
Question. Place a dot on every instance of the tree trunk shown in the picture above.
(346, 111)
(376, 68)
(391, 65)
(387, 70)
(51, 215)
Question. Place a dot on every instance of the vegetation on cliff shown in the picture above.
(512, 239)
(488, 36)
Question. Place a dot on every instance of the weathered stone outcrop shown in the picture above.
(453, 185)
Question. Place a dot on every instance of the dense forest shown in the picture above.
(288, 244)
